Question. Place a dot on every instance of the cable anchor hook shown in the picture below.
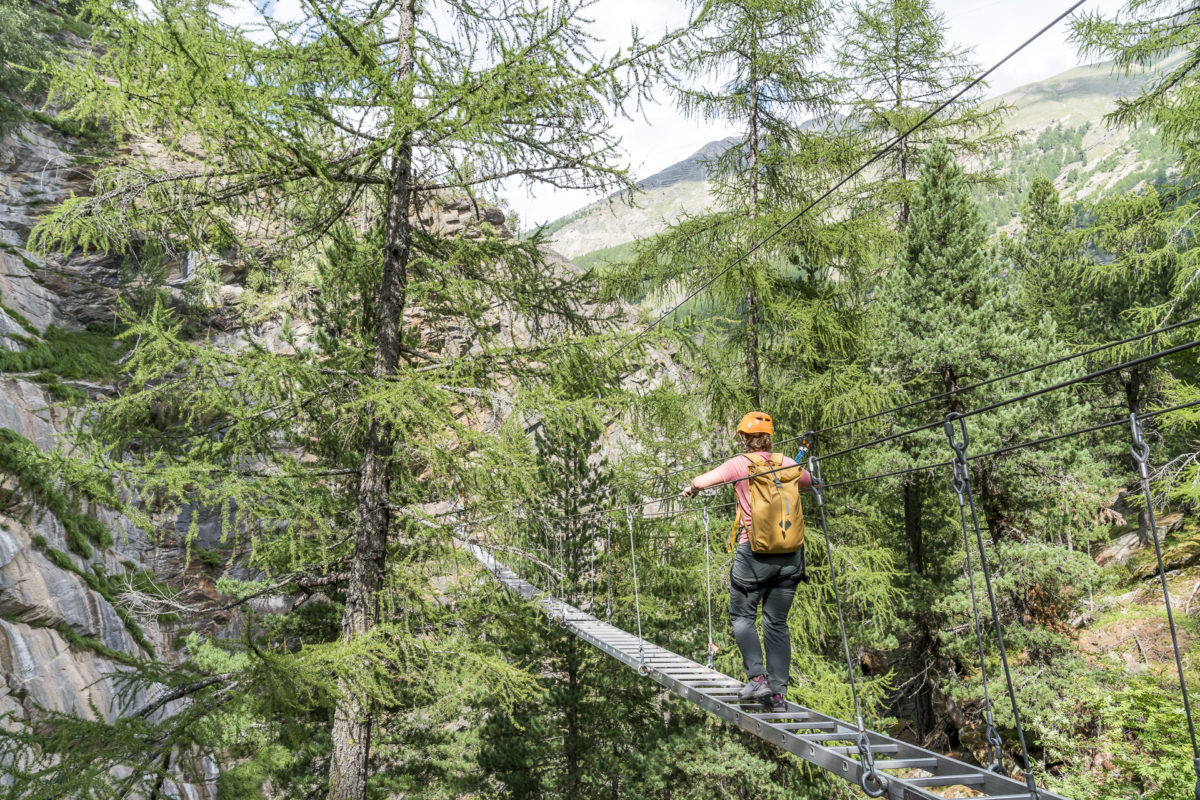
(870, 780)
(994, 748)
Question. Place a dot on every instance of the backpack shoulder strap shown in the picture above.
(777, 459)
(755, 458)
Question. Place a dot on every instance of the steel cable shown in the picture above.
(1141, 454)
(637, 602)
(994, 745)
(929, 426)
(870, 780)
(880, 153)
(959, 446)
(932, 398)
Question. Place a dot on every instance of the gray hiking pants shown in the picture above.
(770, 580)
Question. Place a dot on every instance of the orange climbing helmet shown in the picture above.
(756, 422)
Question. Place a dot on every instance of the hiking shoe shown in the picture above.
(777, 703)
(755, 688)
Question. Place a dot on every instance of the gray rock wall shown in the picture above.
(43, 604)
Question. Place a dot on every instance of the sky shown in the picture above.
(662, 136)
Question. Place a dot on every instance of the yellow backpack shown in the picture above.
(776, 519)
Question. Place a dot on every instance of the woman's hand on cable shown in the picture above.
(688, 491)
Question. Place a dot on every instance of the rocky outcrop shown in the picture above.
(63, 643)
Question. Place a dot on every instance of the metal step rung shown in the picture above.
(906, 763)
(798, 715)
(966, 779)
(807, 726)
(844, 736)
(876, 749)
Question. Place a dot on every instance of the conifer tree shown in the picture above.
(898, 67)
(768, 329)
(953, 320)
(295, 137)
(1144, 34)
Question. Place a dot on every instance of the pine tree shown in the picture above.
(1144, 35)
(953, 320)
(898, 67)
(357, 127)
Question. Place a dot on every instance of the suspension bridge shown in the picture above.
(879, 764)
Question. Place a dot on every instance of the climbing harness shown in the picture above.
(994, 745)
(712, 648)
(871, 780)
(1141, 454)
(637, 603)
(959, 446)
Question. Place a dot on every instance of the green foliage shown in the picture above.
(1152, 34)
(898, 66)
(24, 40)
(34, 474)
(74, 355)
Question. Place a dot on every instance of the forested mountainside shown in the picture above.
(272, 362)
(1058, 131)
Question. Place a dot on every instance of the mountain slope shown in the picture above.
(1058, 128)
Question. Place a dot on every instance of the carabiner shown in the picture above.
(959, 446)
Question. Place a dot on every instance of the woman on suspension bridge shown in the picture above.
(768, 529)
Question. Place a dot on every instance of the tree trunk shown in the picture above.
(349, 762)
(752, 295)
(913, 539)
(924, 644)
(901, 147)
(572, 743)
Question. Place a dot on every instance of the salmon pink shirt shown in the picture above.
(737, 469)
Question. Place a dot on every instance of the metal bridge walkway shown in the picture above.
(824, 741)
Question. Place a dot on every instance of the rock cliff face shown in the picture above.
(67, 629)
(62, 636)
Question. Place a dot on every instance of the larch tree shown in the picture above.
(898, 66)
(345, 136)
(768, 328)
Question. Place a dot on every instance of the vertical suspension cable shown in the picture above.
(994, 744)
(1141, 454)
(524, 547)
(591, 569)
(870, 779)
(608, 572)
(712, 647)
(960, 454)
(564, 587)
(637, 603)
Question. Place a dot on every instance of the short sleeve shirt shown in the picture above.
(737, 469)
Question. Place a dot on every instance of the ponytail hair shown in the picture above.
(756, 442)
